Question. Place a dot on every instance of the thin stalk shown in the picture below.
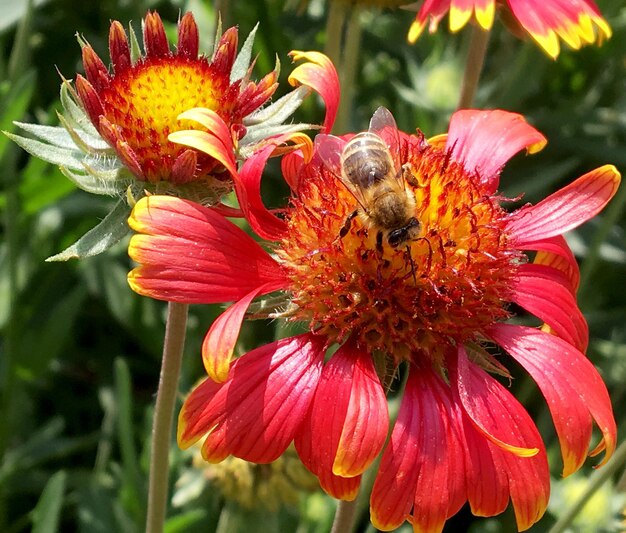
(344, 516)
(174, 343)
(222, 12)
(473, 66)
(334, 30)
(596, 480)
(348, 69)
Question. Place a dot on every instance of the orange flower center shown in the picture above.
(421, 297)
(145, 100)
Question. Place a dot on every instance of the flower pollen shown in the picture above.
(439, 290)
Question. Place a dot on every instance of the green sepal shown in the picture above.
(112, 229)
(242, 61)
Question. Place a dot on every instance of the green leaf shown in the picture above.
(46, 514)
(188, 521)
(125, 432)
(109, 232)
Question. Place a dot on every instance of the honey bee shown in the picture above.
(370, 168)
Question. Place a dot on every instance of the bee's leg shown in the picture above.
(408, 253)
(407, 175)
(346, 227)
(379, 242)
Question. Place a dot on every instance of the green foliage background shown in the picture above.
(80, 353)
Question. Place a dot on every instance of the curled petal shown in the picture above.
(255, 413)
(219, 343)
(571, 385)
(567, 208)
(190, 254)
(495, 474)
(347, 425)
(290, 166)
(483, 141)
(216, 142)
(492, 409)
(248, 189)
(544, 292)
(320, 75)
(485, 401)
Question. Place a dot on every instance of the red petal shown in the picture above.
(255, 414)
(483, 141)
(190, 254)
(248, 188)
(573, 21)
(435, 9)
(290, 166)
(487, 479)
(154, 38)
(188, 38)
(423, 466)
(226, 51)
(348, 422)
(545, 292)
(565, 209)
(492, 410)
(118, 48)
(216, 141)
(571, 385)
(320, 75)
(220, 340)
(91, 102)
(95, 70)
(483, 400)
(556, 253)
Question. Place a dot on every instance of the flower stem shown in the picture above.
(348, 68)
(596, 480)
(344, 516)
(174, 343)
(473, 66)
(334, 31)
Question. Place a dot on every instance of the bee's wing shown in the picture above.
(384, 125)
(329, 149)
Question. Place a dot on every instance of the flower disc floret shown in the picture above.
(438, 291)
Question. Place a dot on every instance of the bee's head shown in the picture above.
(409, 232)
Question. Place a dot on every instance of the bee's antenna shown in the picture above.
(408, 253)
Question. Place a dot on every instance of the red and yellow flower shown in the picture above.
(137, 105)
(433, 311)
(576, 22)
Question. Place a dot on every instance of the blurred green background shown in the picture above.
(80, 353)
